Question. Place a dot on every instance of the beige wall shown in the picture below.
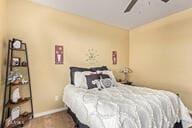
(42, 28)
(3, 34)
(3, 37)
(161, 55)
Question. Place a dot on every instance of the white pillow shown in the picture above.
(110, 73)
(80, 79)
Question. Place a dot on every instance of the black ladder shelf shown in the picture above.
(8, 105)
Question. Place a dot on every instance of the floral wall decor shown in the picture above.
(92, 56)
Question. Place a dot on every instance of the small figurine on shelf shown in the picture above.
(15, 113)
(25, 114)
(14, 77)
(16, 95)
(24, 63)
(24, 81)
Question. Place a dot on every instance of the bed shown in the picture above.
(123, 106)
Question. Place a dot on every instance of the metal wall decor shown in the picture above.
(92, 56)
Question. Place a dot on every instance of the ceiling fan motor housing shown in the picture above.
(165, 1)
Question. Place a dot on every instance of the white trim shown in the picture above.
(49, 112)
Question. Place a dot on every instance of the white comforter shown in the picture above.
(126, 107)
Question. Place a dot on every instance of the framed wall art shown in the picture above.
(58, 54)
(114, 57)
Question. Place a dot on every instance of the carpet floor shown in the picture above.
(56, 120)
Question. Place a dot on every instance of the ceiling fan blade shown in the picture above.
(165, 1)
(130, 6)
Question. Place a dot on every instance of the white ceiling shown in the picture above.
(112, 11)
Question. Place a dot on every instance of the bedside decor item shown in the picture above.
(125, 72)
(15, 113)
(16, 44)
(127, 83)
(92, 56)
(114, 57)
(15, 61)
(14, 81)
(16, 95)
(58, 54)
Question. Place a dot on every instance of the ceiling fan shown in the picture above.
(133, 2)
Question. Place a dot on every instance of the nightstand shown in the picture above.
(127, 83)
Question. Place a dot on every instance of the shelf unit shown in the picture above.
(16, 85)
(8, 105)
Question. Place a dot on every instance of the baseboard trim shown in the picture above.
(36, 115)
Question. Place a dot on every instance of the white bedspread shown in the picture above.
(126, 107)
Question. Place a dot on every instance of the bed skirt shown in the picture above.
(78, 124)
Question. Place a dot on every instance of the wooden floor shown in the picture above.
(57, 120)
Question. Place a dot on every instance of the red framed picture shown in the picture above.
(58, 54)
(114, 57)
